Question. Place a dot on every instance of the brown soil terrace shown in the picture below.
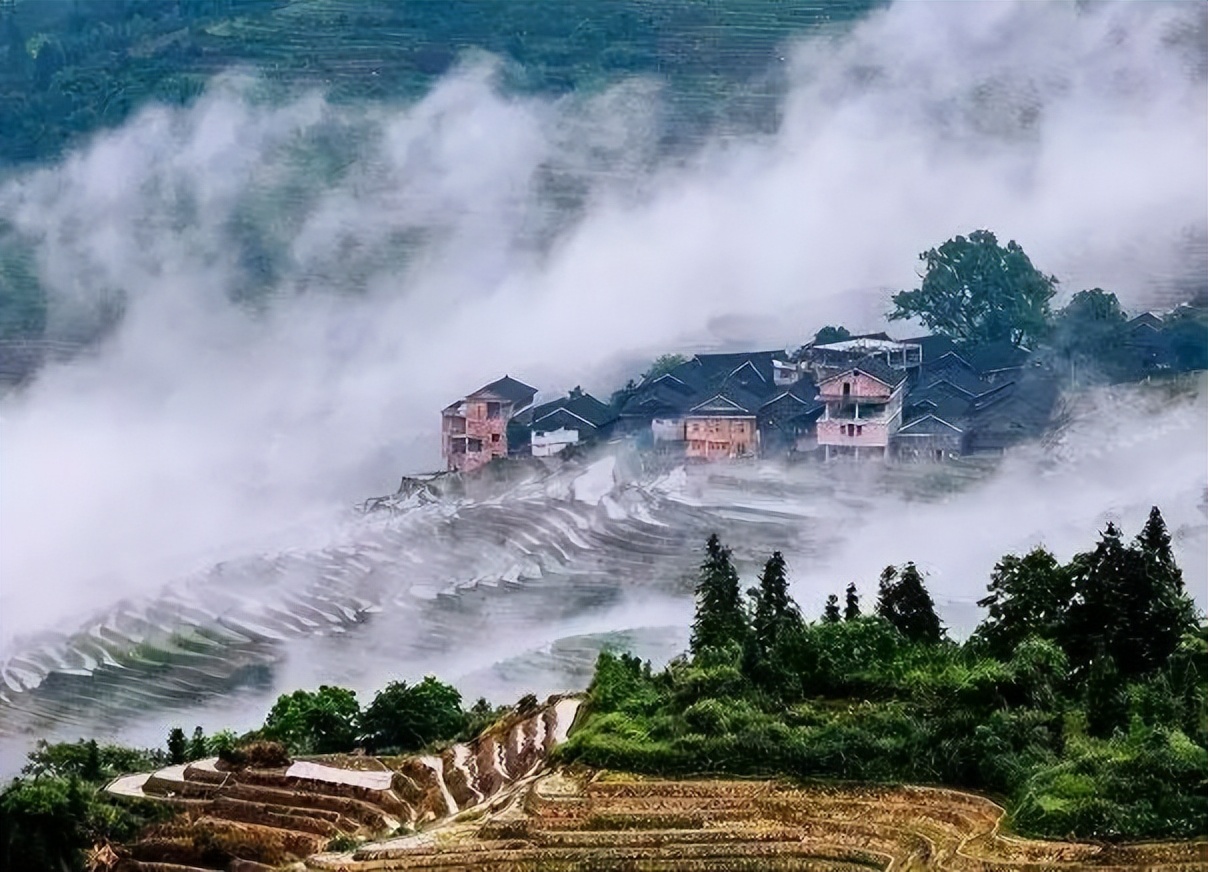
(493, 804)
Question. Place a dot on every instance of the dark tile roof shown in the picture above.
(745, 403)
(951, 410)
(1145, 319)
(873, 365)
(722, 367)
(1023, 409)
(507, 388)
(958, 377)
(994, 356)
(934, 346)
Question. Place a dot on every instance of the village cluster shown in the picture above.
(869, 396)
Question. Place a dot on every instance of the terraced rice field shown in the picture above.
(262, 818)
(592, 820)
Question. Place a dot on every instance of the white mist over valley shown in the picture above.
(304, 284)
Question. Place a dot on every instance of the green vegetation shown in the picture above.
(976, 290)
(69, 68)
(408, 718)
(1082, 699)
(52, 814)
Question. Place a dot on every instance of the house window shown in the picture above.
(473, 445)
(847, 389)
(939, 454)
(494, 437)
(458, 446)
(859, 429)
(493, 410)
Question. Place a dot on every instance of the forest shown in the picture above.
(1080, 701)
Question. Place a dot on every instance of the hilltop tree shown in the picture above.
(720, 620)
(1090, 329)
(829, 334)
(1029, 596)
(662, 365)
(851, 609)
(410, 717)
(973, 289)
(831, 614)
(318, 722)
(176, 745)
(905, 603)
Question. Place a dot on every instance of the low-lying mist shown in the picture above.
(304, 285)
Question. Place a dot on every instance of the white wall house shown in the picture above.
(547, 443)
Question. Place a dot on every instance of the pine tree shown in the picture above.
(1130, 601)
(831, 614)
(720, 619)
(775, 611)
(92, 762)
(851, 610)
(176, 745)
(905, 603)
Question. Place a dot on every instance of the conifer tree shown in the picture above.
(831, 615)
(720, 619)
(775, 611)
(851, 610)
(1130, 601)
(905, 603)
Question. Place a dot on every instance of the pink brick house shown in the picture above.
(863, 409)
(474, 430)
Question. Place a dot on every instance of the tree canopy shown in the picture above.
(904, 602)
(408, 717)
(315, 722)
(974, 289)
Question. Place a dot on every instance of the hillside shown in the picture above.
(68, 69)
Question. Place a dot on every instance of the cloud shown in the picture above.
(306, 284)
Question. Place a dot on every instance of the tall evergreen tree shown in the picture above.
(831, 614)
(851, 610)
(775, 611)
(905, 603)
(720, 619)
(1130, 601)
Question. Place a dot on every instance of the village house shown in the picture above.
(474, 429)
(863, 409)
(788, 421)
(723, 426)
(570, 420)
(712, 391)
